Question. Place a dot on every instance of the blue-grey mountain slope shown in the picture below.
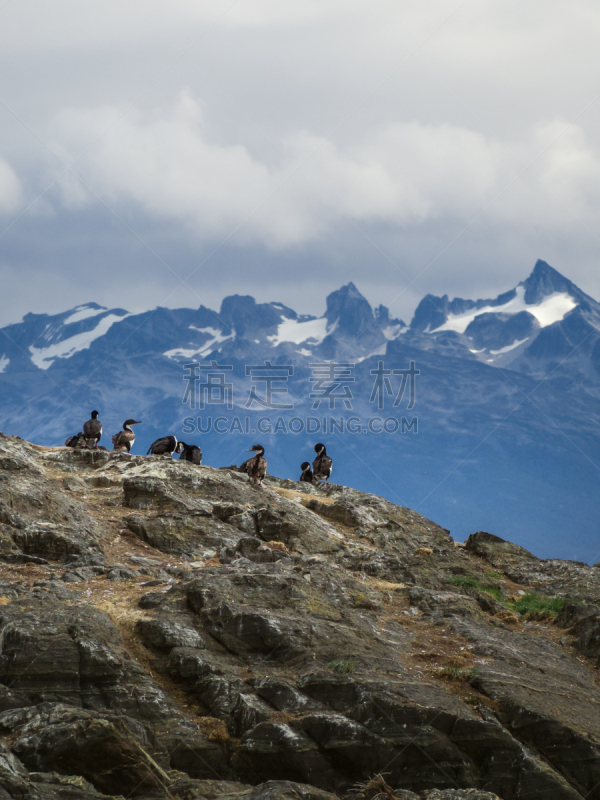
(507, 397)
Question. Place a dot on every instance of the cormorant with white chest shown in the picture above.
(124, 439)
(92, 430)
(163, 447)
(189, 452)
(322, 465)
(307, 476)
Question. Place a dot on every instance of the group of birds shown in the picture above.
(92, 433)
(168, 445)
(322, 466)
(255, 467)
(123, 440)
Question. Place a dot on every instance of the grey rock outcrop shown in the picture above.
(298, 642)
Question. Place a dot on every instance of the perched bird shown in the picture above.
(165, 446)
(123, 440)
(189, 452)
(92, 430)
(322, 465)
(256, 466)
(307, 476)
(76, 441)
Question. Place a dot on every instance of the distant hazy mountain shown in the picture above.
(507, 396)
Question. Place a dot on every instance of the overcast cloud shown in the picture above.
(284, 147)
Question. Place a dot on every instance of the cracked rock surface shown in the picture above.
(169, 631)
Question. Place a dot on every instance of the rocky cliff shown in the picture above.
(168, 631)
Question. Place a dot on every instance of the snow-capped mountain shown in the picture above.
(349, 328)
(507, 400)
(544, 317)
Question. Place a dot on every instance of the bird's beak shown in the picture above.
(249, 451)
(137, 422)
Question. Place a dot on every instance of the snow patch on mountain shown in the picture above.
(83, 312)
(290, 330)
(393, 331)
(217, 337)
(380, 351)
(506, 349)
(553, 308)
(44, 357)
(4, 362)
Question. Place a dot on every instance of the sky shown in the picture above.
(170, 154)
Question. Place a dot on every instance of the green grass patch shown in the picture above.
(537, 606)
(342, 665)
(495, 576)
(472, 583)
(531, 605)
(457, 674)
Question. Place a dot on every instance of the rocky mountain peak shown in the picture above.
(242, 314)
(544, 281)
(431, 312)
(349, 309)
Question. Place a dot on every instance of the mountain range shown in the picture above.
(501, 434)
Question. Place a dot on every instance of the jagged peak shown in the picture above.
(235, 303)
(544, 280)
(382, 315)
(349, 308)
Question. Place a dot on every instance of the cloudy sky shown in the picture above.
(158, 153)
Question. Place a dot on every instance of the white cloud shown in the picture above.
(420, 144)
(405, 173)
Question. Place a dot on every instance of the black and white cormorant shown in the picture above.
(123, 440)
(189, 452)
(256, 467)
(92, 430)
(322, 465)
(307, 476)
(76, 441)
(163, 447)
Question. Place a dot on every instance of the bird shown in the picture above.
(307, 476)
(189, 452)
(165, 446)
(322, 465)
(76, 441)
(256, 466)
(123, 440)
(92, 430)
